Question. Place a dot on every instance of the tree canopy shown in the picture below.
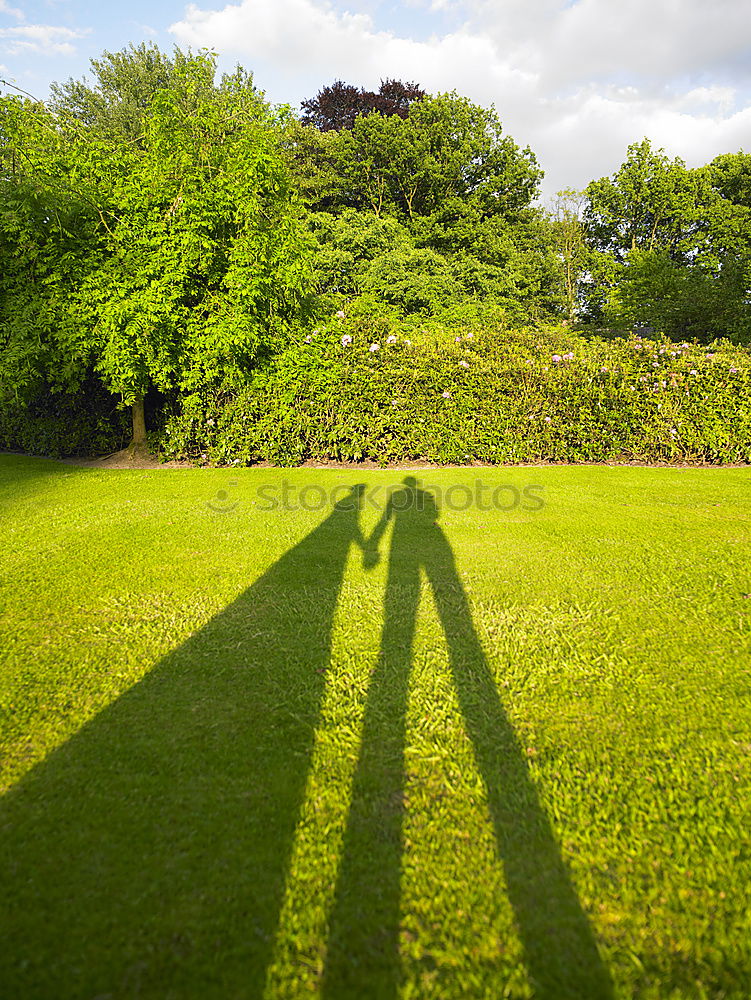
(337, 106)
(675, 244)
(163, 245)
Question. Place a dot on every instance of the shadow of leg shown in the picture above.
(148, 855)
(363, 952)
(563, 962)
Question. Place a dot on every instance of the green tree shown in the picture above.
(571, 246)
(730, 177)
(678, 300)
(348, 243)
(427, 210)
(174, 258)
(650, 202)
(311, 158)
(118, 98)
(671, 247)
(445, 148)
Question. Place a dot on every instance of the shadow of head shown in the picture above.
(418, 506)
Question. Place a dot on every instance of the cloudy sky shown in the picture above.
(577, 80)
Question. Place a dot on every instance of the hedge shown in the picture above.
(59, 424)
(491, 396)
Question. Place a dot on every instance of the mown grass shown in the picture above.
(224, 776)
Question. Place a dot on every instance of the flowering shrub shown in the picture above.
(487, 396)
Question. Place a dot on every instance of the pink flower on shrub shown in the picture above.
(346, 340)
(569, 356)
(470, 336)
(556, 358)
(339, 314)
(408, 343)
(446, 394)
(374, 347)
(391, 339)
(308, 339)
(464, 364)
(548, 420)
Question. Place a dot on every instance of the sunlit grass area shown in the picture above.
(256, 750)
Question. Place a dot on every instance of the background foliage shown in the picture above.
(168, 238)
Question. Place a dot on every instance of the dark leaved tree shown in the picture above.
(336, 107)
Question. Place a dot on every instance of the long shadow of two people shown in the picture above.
(560, 951)
(161, 833)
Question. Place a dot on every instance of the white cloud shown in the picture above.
(574, 42)
(5, 8)
(289, 31)
(723, 99)
(587, 135)
(306, 38)
(576, 81)
(45, 39)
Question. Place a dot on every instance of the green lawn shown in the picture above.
(241, 760)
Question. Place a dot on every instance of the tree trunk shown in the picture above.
(139, 426)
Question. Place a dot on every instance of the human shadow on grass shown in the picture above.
(148, 855)
(560, 952)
